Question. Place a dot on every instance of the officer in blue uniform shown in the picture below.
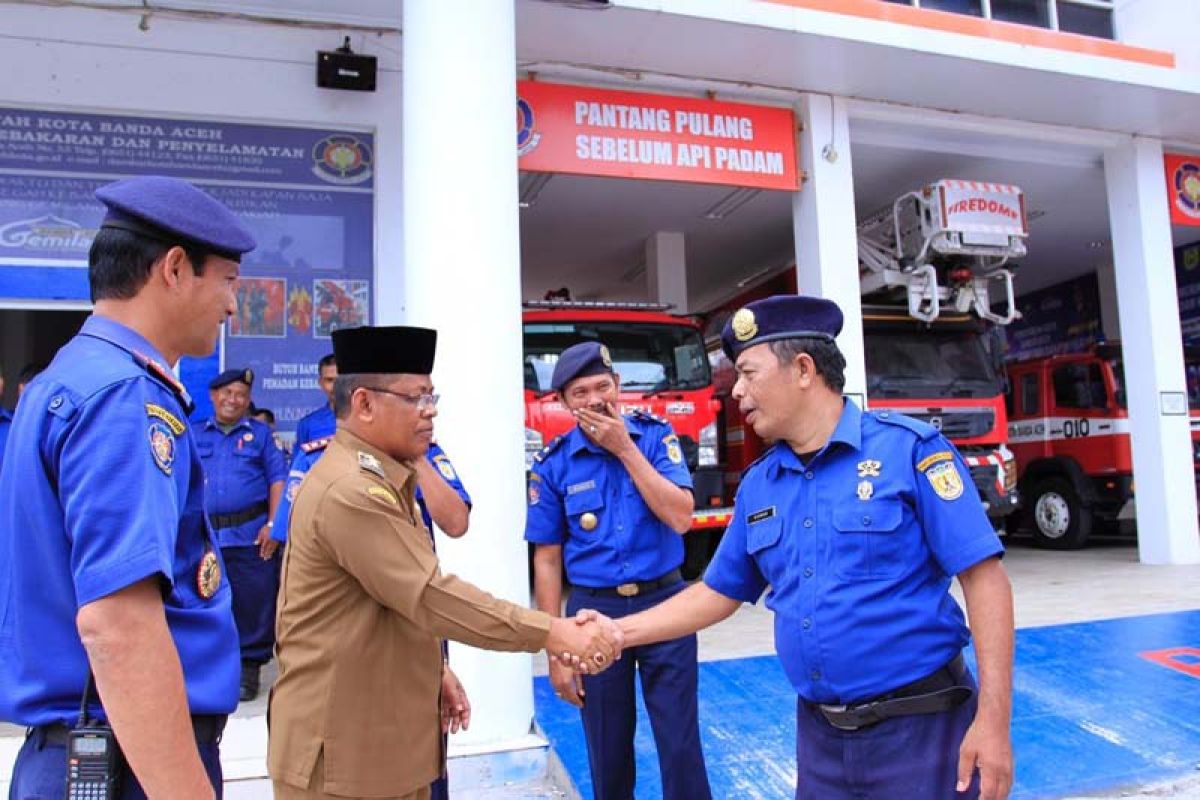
(107, 563)
(611, 499)
(320, 423)
(244, 473)
(5, 424)
(857, 522)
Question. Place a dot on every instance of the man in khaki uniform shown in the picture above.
(355, 712)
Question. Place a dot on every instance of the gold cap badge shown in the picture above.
(745, 327)
(605, 356)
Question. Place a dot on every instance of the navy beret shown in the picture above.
(580, 361)
(229, 376)
(174, 212)
(784, 316)
(384, 350)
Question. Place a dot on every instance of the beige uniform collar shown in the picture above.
(397, 473)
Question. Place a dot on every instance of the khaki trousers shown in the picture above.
(284, 791)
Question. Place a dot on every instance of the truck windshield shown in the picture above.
(929, 363)
(1191, 365)
(649, 357)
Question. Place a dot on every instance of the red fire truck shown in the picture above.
(1069, 428)
(664, 371)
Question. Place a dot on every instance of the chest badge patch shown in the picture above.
(589, 521)
(208, 575)
(383, 494)
(248, 437)
(869, 468)
(946, 481)
(865, 490)
(760, 515)
(162, 445)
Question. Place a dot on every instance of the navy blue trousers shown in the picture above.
(914, 756)
(669, 676)
(40, 772)
(255, 587)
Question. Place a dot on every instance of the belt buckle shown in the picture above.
(837, 710)
(628, 590)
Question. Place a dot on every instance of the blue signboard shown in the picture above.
(1064, 318)
(307, 195)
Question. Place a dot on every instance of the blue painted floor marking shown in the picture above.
(1089, 714)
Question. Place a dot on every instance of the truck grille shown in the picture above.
(959, 424)
(984, 477)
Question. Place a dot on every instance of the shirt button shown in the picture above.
(884, 414)
(806, 624)
(866, 520)
(815, 675)
(808, 523)
(56, 402)
(809, 474)
(808, 572)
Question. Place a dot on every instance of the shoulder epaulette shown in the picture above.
(369, 463)
(316, 444)
(923, 430)
(548, 449)
(166, 377)
(646, 416)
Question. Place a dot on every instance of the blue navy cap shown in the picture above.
(580, 361)
(227, 377)
(174, 212)
(784, 316)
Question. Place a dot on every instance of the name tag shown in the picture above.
(759, 516)
(576, 488)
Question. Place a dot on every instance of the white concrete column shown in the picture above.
(1153, 353)
(1110, 314)
(824, 224)
(666, 269)
(462, 277)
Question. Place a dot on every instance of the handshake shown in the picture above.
(585, 644)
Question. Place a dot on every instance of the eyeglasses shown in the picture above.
(421, 401)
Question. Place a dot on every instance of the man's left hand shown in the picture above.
(988, 747)
(266, 545)
(607, 430)
(456, 708)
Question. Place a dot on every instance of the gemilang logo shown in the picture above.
(47, 233)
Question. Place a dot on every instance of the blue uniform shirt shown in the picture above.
(5, 424)
(101, 489)
(858, 549)
(305, 458)
(575, 482)
(239, 468)
(318, 424)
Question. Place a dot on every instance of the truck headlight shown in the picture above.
(534, 442)
(1010, 469)
(707, 455)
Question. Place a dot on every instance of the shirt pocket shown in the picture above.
(868, 544)
(579, 506)
(204, 449)
(762, 544)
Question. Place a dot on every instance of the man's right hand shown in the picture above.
(589, 647)
(568, 685)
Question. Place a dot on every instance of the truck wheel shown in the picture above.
(1058, 517)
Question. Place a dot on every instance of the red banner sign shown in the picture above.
(1183, 188)
(586, 131)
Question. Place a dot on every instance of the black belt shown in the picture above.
(207, 727)
(945, 689)
(634, 589)
(221, 521)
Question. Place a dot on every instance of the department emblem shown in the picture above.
(745, 327)
(342, 159)
(535, 494)
(293, 489)
(589, 521)
(946, 481)
(208, 575)
(869, 468)
(444, 467)
(674, 452)
(248, 437)
(527, 136)
(162, 445)
(606, 356)
(865, 490)
(1186, 185)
